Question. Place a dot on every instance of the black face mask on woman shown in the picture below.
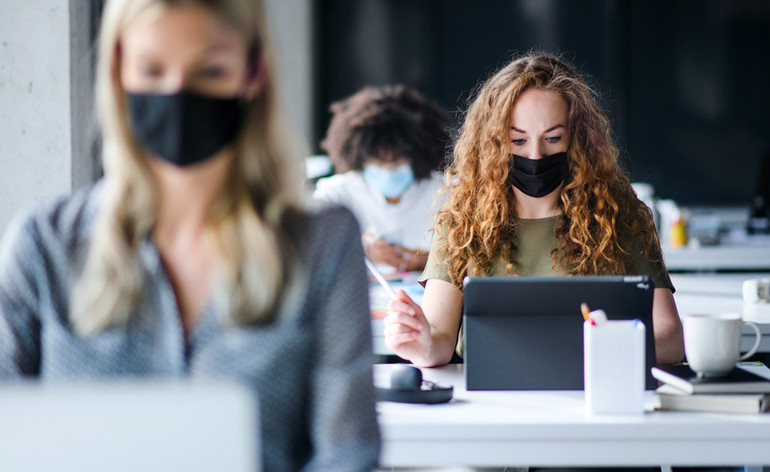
(185, 128)
(538, 177)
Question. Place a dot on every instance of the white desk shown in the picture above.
(492, 429)
(750, 255)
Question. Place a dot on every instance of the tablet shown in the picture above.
(526, 333)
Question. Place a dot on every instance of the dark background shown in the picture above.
(684, 82)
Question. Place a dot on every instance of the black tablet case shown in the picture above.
(526, 333)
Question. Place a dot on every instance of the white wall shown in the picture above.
(291, 26)
(35, 146)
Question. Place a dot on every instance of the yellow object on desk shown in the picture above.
(678, 233)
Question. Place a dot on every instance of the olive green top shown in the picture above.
(535, 239)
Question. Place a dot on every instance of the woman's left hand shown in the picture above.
(383, 252)
(412, 259)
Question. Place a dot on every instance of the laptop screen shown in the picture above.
(128, 426)
(526, 333)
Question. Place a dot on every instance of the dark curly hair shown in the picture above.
(388, 123)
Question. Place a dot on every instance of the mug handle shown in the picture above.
(755, 347)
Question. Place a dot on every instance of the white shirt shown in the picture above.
(408, 222)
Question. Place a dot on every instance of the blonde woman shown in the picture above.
(193, 256)
(534, 189)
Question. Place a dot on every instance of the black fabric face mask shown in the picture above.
(538, 177)
(185, 128)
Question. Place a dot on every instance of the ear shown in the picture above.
(115, 60)
(256, 78)
(115, 68)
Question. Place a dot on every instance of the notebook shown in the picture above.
(737, 380)
(526, 333)
(674, 399)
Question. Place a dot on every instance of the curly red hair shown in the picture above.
(600, 208)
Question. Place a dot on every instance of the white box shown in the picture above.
(613, 370)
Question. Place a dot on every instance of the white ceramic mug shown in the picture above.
(756, 290)
(712, 342)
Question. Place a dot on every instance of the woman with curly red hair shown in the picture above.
(534, 189)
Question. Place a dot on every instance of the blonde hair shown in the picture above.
(600, 208)
(246, 223)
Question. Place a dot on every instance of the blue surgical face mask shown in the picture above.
(391, 183)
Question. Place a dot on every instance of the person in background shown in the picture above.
(388, 145)
(534, 189)
(194, 255)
